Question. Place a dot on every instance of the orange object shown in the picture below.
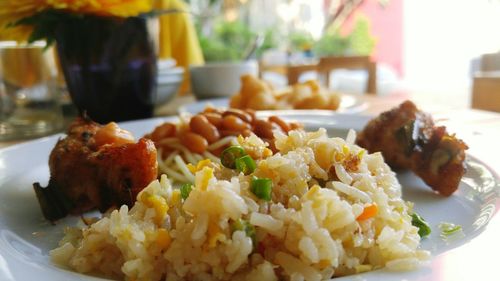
(370, 211)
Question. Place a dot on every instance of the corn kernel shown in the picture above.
(203, 163)
(163, 238)
(126, 234)
(241, 140)
(176, 197)
(199, 166)
(267, 152)
(203, 177)
(214, 235)
(345, 149)
(361, 153)
(312, 191)
(160, 205)
(324, 263)
(191, 168)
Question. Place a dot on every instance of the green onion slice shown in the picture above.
(245, 164)
(185, 190)
(262, 188)
(230, 154)
(243, 225)
(423, 227)
(448, 229)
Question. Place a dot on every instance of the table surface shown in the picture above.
(479, 129)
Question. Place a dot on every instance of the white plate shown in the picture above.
(348, 104)
(26, 238)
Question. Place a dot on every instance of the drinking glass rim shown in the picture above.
(15, 44)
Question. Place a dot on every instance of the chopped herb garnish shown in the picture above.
(243, 225)
(448, 229)
(245, 164)
(185, 190)
(423, 227)
(230, 154)
(262, 188)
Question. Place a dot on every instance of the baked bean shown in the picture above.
(239, 113)
(280, 122)
(251, 112)
(165, 130)
(272, 145)
(246, 133)
(210, 109)
(214, 118)
(225, 133)
(199, 124)
(263, 129)
(218, 151)
(194, 142)
(165, 150)
(234, 123)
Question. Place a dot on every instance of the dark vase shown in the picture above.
(109, 65)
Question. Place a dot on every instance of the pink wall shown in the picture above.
(387, 28)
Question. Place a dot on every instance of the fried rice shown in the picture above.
(315, 227)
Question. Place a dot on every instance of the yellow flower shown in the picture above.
(118, 8)
(12, 11)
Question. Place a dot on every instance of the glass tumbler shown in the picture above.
(29, 99)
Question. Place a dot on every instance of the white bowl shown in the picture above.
(215, 80)
(167, 84)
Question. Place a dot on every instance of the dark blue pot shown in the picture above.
(109, 66)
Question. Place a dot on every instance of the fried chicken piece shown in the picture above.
(409, 139)
(96, 166)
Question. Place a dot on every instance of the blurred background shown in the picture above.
(430, 47)
(440, 52)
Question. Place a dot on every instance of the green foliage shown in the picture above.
(270, 41)
(46, 23)
(300, 41)
(360, 39)
(331, 45)
(358, 42)
(230, 40)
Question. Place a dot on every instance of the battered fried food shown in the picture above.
(258, 94)
(95, 166)
(409, 139)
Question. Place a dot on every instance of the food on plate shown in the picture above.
(95, 166)
(259, 95)
(319, 208)
(205, 135)
(409, 139)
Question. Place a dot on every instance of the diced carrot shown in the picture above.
(369, 211)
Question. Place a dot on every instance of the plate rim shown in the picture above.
(376, 275)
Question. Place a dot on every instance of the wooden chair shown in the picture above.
(280, 69)
(486, 91)
(294, 71)
(327, 64)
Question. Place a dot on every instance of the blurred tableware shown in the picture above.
(109, 66)
(165, 64)
(29, 100)
(168, 82)
(348, 105)
(222, 79)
